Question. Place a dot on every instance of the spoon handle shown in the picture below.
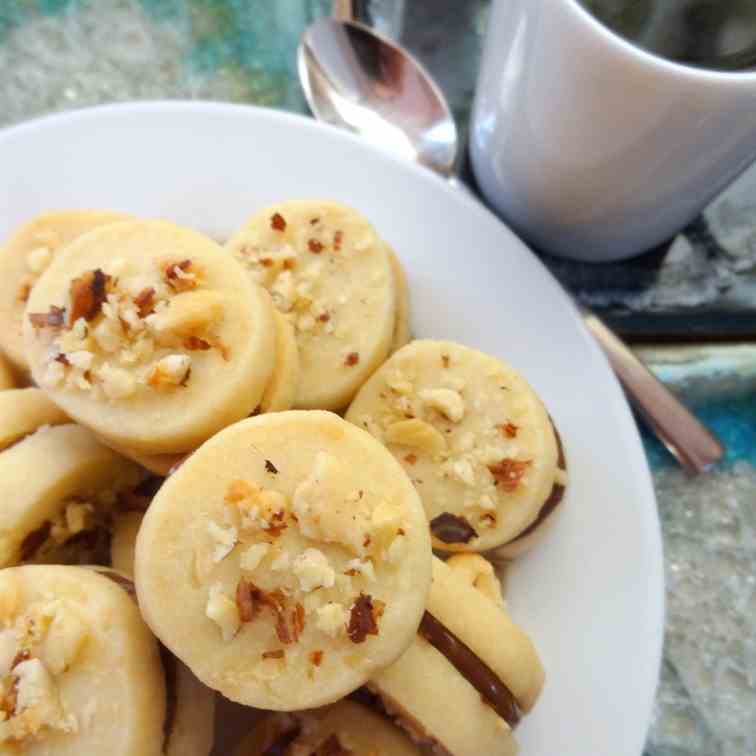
(694, 447)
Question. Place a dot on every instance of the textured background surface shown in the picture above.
(59, 54)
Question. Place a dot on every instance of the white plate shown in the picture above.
(591, 595)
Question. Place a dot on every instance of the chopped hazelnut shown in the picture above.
(172, 370)
(223, 611)
(332, 619)
(362, 619)
(88, 293)
(313, 570)
(446, 401)
(508, 473)
(417, 434)
(251, 558)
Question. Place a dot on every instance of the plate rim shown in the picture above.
(654, 566)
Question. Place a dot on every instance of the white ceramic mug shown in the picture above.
(591, 147)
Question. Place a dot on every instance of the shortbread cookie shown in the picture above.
(7, 378)
(81, 673)
(328, 271)
(281, 391)
(402, 333)
(23, 411)
(485, 667)
(150, 335)
(59, 488)
(343, 729)
(472, 435)
(285, 561)
(26, 255)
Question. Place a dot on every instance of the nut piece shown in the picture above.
(324, 511)
(37, 701)
(172, 370)
(117, 383)
(313, 570)
(189, 313)
(63, 642)
(416, 433)
(222, 610)
(224, 540)
(251, 558)
(332, 619)
(446, 401)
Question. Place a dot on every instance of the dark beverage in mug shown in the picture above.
(715, 34)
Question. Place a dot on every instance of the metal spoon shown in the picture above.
(356, 79)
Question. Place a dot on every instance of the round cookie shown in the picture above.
(7, 378)
(23, 411)
(25, 256)
(285, 561)
(281, 391)
(59, 487)
(328, 271)
(151, 336)
(487, 668)
(472, 435)
(346, 728)
(80, 671)
(402, 333)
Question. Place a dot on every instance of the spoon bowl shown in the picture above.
(356, 79)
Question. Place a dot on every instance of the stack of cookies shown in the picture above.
(226, 471)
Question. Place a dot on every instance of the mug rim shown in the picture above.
(651, 58)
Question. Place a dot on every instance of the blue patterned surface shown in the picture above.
(59, 54)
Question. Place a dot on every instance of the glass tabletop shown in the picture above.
(689, 306)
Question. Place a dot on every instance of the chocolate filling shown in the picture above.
(90, 546)
(553, 499)
(472, 668)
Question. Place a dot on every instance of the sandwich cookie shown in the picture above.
(59, 488)
(474, 438)
(80, 672)
(486, 666)
(148, 334)
(331, 275)
(26, 255)
(342, 729)
(286, 561)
